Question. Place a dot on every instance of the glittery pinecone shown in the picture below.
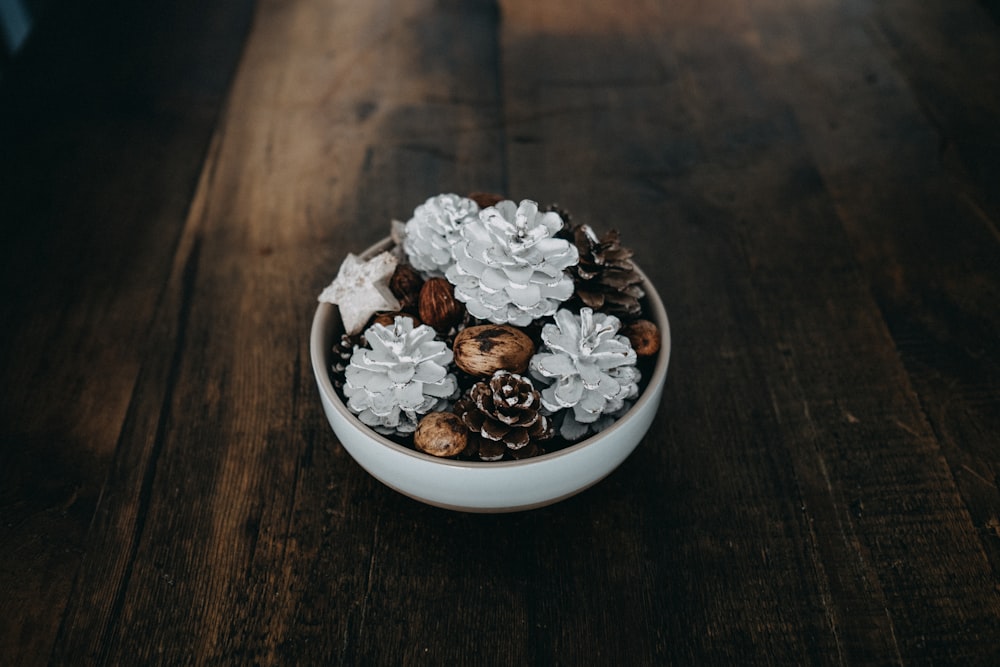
(509, 267)
(403, 376)
(504, 413)
(589, 369)
(605, 278)
(434, 229)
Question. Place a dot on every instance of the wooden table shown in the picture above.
(813, 186)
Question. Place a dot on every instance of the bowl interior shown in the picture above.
(327, 327)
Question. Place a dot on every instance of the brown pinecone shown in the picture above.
(606, 279)
(341, 357)
(502, 414)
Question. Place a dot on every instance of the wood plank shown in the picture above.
(952, 78)
(915, 186)
(89, 224)
(815, 493)
(233, 526)
(802, 497)
(655, 108)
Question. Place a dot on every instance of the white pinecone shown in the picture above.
(568, 427)
(589, 369)
(509, 265)
(433, 230)
(403, 376)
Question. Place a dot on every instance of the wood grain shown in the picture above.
(100, 158)
(938, 307)
(311, 161)
(798, 412)
(810, 185)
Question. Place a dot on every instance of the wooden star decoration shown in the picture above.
(361, 289)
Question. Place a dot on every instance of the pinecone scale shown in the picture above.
(434, 229)
(605, 277)
(504, 412)
(402, 376)
(588, 369)
(509, 266)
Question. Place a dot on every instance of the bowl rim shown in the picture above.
(326, 316)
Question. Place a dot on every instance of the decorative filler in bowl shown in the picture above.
(490, 355)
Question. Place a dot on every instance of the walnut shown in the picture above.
(387, 319)
(482, 350)
(486, 199)
(441, 434)
(405, 285)
(438, 306)
(644, 336)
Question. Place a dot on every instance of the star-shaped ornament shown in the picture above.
(361, 289)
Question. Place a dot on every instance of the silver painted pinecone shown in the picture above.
(403, 376)
(568, 427)
(509, 267)
(589, 369)
(434, 229)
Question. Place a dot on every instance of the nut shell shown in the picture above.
(482, 350)
(438, 306)
(405, 285)
(441, 434)
(644, 336)
(486, 199)
(389, 318)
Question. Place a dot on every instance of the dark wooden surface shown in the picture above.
(814, 188)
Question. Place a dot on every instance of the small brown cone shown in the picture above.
(605, 278)
(503, 414)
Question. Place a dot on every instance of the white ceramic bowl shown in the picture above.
(474, 486)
